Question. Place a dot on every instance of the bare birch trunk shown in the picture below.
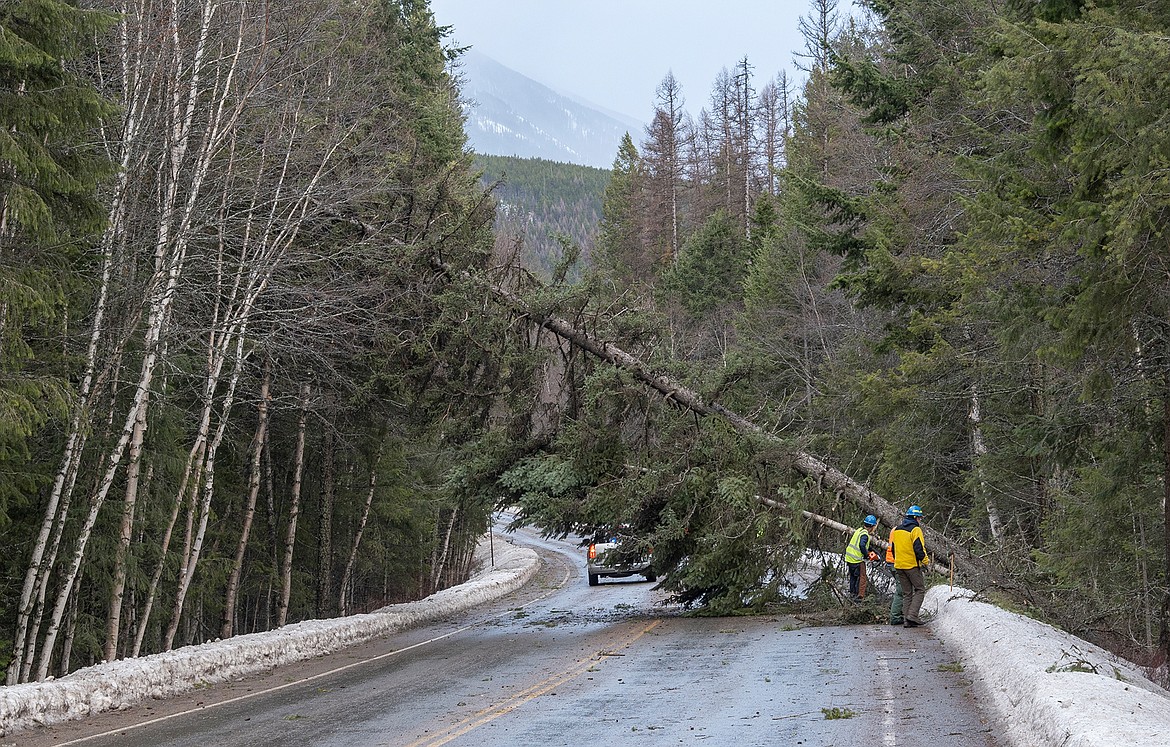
(978, 452)
(70, 634)
(345, 596)
(196, 546)
(294, 509)
(122, 549)
(156, 577)
(112, 464)
(437, 571)
(229, 607)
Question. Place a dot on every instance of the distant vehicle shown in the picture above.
(607, 558)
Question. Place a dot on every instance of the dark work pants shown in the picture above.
(854, 579)
(913, 591)
(896, 602)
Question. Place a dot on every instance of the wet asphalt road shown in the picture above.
(560, 663)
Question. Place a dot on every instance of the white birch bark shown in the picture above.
(347, 575)
(978, 452)
(205, 504)
(164, 546)
(229, 607)
(444, 549)
(293, 511)
(122, 549)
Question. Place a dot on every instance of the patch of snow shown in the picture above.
(1048, 687)
(120, 684)
(489, 125)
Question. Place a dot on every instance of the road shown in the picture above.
(560, 663)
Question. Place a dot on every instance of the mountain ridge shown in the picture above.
(510, 114)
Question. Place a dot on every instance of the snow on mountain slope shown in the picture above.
(509, 114)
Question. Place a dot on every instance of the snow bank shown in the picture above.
(1048, 686)
(120, 684)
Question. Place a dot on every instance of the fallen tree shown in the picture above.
(827, 477)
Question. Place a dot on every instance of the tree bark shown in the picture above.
(345, 595)
(293, 510)
(122, 548)
(229, 607)
(1164, 632)
(441, 557)
(325, 539)
(978, 452)
(196, 547)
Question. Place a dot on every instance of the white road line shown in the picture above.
(246, 696)
(889, 739)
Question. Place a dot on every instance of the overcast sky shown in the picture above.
(614, 53)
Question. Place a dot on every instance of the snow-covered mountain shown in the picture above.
(509, 114)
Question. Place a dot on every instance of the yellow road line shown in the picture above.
(527, 695)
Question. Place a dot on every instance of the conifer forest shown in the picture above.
(271, 350)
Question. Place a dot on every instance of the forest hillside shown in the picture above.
(542, 204)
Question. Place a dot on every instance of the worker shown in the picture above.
(856, 553)
(910, 560)
(896, 602)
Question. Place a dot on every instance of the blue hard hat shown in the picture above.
(914, 511)
(870, 521)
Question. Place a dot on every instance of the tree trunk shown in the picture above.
(978, 452)
(70, 635)
(294, 508)
(122, 548)
(441, 558)
(273, 541)
(192, 475)
(1164, 632)
(226, 629)
(196, 547)
(345, 595)
(325, 540)
(113, 462)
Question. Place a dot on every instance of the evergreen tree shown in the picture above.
(622, 258)
(1079, 205)
(49, 210)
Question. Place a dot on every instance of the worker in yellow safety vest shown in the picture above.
(856, 553)
(910, 560)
